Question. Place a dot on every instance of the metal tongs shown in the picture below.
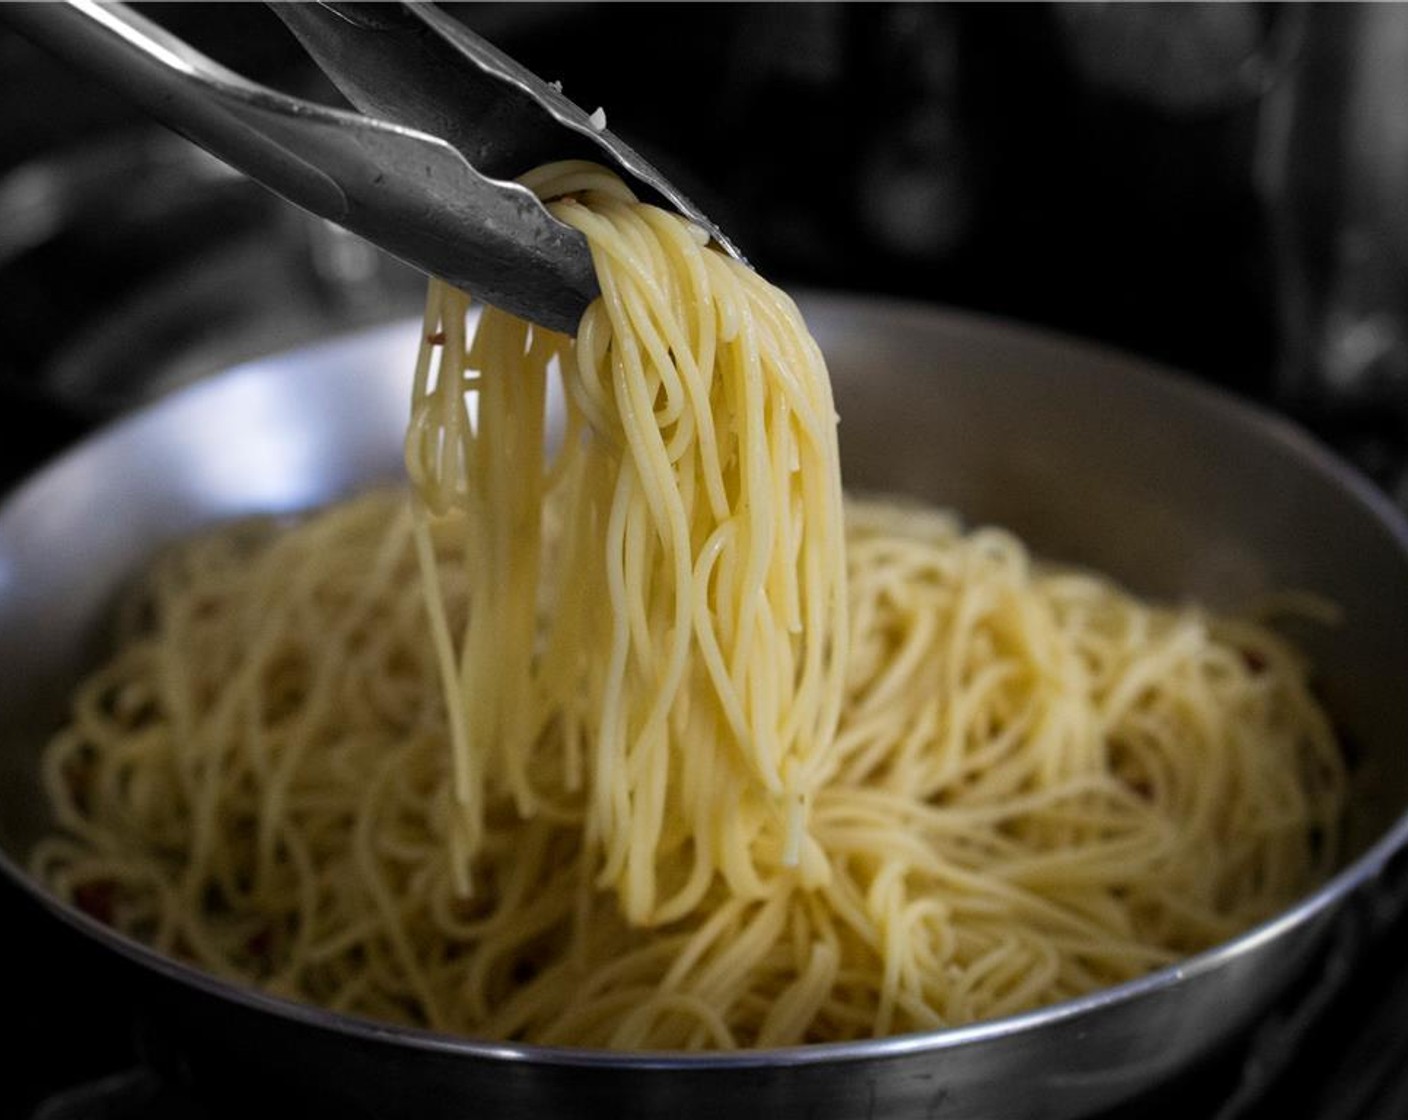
(425, 169)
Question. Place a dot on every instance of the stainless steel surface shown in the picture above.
(420, 195)
(1093, 456)
(414, 65)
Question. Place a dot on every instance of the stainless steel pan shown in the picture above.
(1094, 457)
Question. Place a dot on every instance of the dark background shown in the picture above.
(1092, 168)
(1210, 185)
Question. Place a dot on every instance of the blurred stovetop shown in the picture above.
(1146, 176)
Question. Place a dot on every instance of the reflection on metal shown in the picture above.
(1095, 458)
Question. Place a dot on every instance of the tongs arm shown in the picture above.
(414, 65)
(412, 192)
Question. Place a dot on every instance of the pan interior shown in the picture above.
(1093, 457)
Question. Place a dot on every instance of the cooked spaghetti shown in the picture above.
(647, 742)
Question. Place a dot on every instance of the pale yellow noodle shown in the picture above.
(643, 739)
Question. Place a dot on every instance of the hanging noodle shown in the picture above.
(648, 741)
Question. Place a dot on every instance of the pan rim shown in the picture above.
(1248, 415)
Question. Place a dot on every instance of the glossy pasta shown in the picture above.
(649, 741)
